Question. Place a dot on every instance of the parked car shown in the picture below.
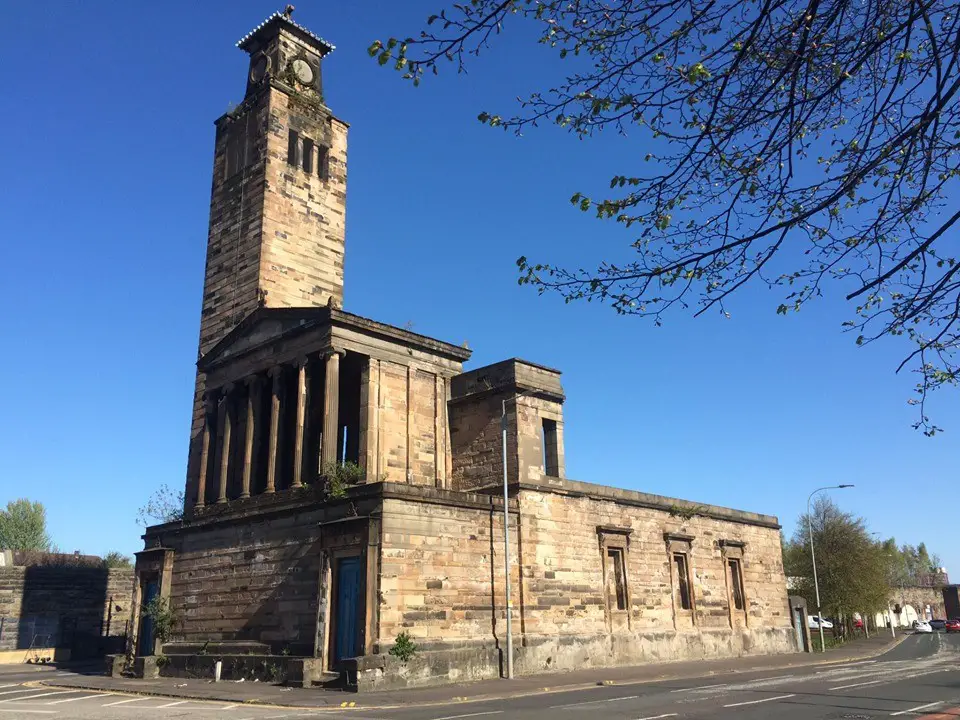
(922, 626)
(952, 625)
(814, 622)
(938, 624)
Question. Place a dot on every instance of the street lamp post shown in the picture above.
(506, 531)
(813, 557)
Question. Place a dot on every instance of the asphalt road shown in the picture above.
(919, 678)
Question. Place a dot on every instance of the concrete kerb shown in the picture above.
(465, 699)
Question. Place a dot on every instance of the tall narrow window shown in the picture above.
(736, 583)
(616, 576)
(551, 448)
(293, 146)
(307, 155)
(323, 162)
(683, 581)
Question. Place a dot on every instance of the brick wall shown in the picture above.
(74, 606)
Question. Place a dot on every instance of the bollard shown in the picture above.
(216, 671)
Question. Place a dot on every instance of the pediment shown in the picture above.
(260, 328)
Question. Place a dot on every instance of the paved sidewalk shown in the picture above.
(263, 693)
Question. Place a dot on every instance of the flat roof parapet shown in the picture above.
(511, 376)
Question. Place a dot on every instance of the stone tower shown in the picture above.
(278, 201)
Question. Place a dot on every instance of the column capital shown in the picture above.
(275, 372)
(302, 361)
(253, 381)
(227, 389)
(330, 352)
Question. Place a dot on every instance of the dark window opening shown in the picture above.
(616, 575)
(323, 162)
(683, 580)
(293, 148)
(307, 155)
(551, 448)
(348, 423)
(736, 583)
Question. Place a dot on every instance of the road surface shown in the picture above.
(919, 678)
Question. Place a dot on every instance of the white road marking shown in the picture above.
(129, 700)
(34, 712)
(845, 666)
(82, 697)
(173, 704)
(757, 702)
(895, 678)
(26, 689)
(454, 717)
(229, 707)
(694, 689)
(919, 707)
(590, 702)
(30, 697)
(657, 717)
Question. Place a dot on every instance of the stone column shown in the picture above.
(331, 408)
(225, 450)
(253, 395)
(272, 459)
(208, 419)
(301, 429)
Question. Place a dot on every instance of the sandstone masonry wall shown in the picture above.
(77, 607)
(442, 573)
(255, 580)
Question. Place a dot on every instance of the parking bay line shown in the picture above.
(764, 700)
(128, 700)
(594, 702)
(82, 697)
(478, 714)
(23, 698)
(32, 712)
(890, 678)
(919, 707)
(657, 717)
(702, 687)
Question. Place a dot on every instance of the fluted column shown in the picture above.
(331, 408)
(301, 429)
(225, 409)
(272, 459)
(253, 395)
(208, 419)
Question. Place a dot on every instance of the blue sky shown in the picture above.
(108, 116)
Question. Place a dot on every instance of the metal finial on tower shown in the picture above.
(288, 11)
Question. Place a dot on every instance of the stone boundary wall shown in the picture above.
(83, 609)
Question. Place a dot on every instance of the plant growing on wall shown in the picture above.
(340, 476)
(403, 647)
(163, 617)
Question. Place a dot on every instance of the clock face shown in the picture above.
(302, 71)
(259, 68)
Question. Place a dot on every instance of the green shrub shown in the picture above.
(163, 617)
(403, 647)
(340, 476)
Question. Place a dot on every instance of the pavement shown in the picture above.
(908, 679)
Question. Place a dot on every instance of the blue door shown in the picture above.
(348, 603)
(146, 624)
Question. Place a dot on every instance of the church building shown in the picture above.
(345, 482)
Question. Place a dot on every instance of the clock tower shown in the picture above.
(278, 200)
